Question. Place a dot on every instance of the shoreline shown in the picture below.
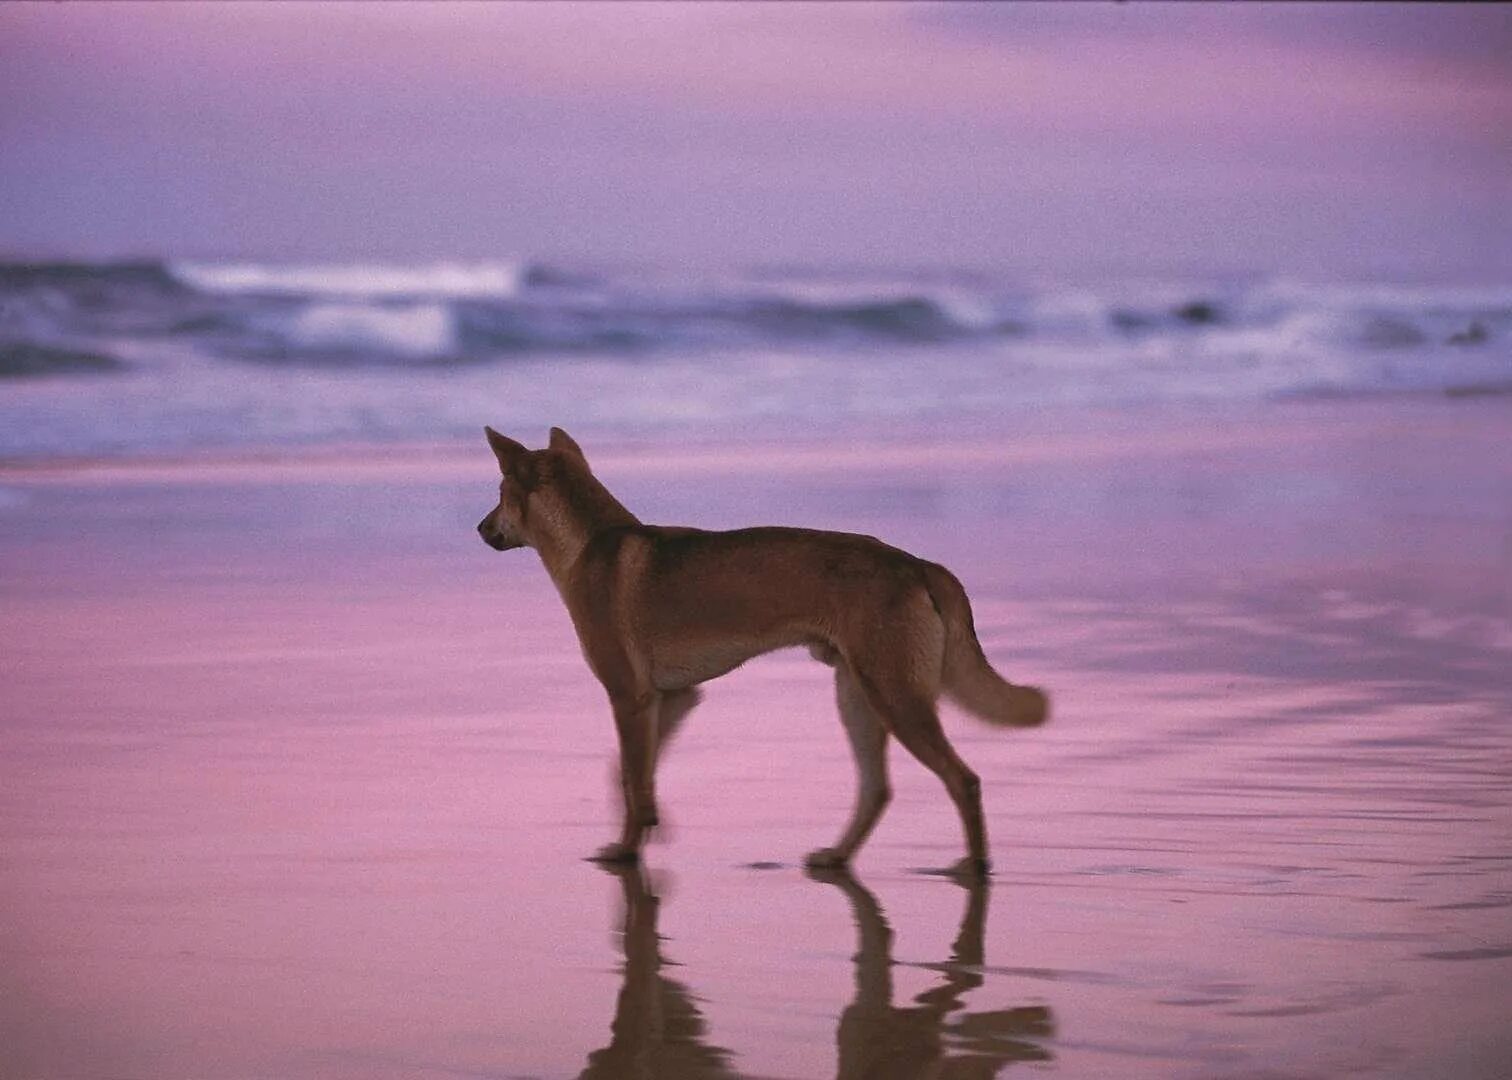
(1090, 435)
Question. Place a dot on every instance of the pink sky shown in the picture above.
(1349, 137)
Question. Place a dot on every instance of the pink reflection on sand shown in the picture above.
(323, 816)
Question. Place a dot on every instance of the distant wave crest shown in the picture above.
(456, 280)
(410, 330)
(903, 318)
(260, 352)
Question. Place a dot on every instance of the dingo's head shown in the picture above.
(533, 500)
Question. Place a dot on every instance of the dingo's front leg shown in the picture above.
(635, 721)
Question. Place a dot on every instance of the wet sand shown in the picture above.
(296, 775)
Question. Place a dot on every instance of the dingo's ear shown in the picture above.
(560, 440)
(504, 448)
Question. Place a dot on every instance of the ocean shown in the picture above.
(171, 357)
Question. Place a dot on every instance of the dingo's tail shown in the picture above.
(969, 679)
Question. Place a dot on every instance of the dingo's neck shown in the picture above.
(563, 524)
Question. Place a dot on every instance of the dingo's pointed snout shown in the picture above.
(489, 534)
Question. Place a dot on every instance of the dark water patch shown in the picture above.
(23, 360)
(349, 358)
(204, 323)
(1326, 391)
(1191, 313)
(1132, 321)
(630, 324)
(516, 329)
(1453, 875)
(1489, 952)
(1388, 333)
(1323, 392)
(1404, 742)
(551, 276)
(1479, 390)
(1200, 313)
(1328, 1001)
(20, 275)
(1072, 975)
(907, 318)
(1278, 1011)
(1474, 334)
(1490, 901)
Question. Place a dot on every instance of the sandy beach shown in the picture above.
(296, 776)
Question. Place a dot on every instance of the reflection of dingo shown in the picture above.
(934, 1035)
(659, 610)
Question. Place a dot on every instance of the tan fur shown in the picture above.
(659, 609)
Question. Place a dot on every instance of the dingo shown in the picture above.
(659, 610)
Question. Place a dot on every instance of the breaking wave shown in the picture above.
(455, 280)
(409, 330)
(262, 352)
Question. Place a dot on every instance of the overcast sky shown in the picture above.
(1348, 137)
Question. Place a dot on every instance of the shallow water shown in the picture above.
(297, 777)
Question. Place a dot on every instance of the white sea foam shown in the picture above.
(1296, 331)
(971, 310)
(412, 330)
(1069, 307)
(489, 280)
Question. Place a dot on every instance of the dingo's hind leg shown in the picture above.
(911, 718)
(673, 709)
(868, 742)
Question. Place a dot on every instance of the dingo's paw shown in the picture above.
(827, 858)
(969, 869)
(615, 854)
